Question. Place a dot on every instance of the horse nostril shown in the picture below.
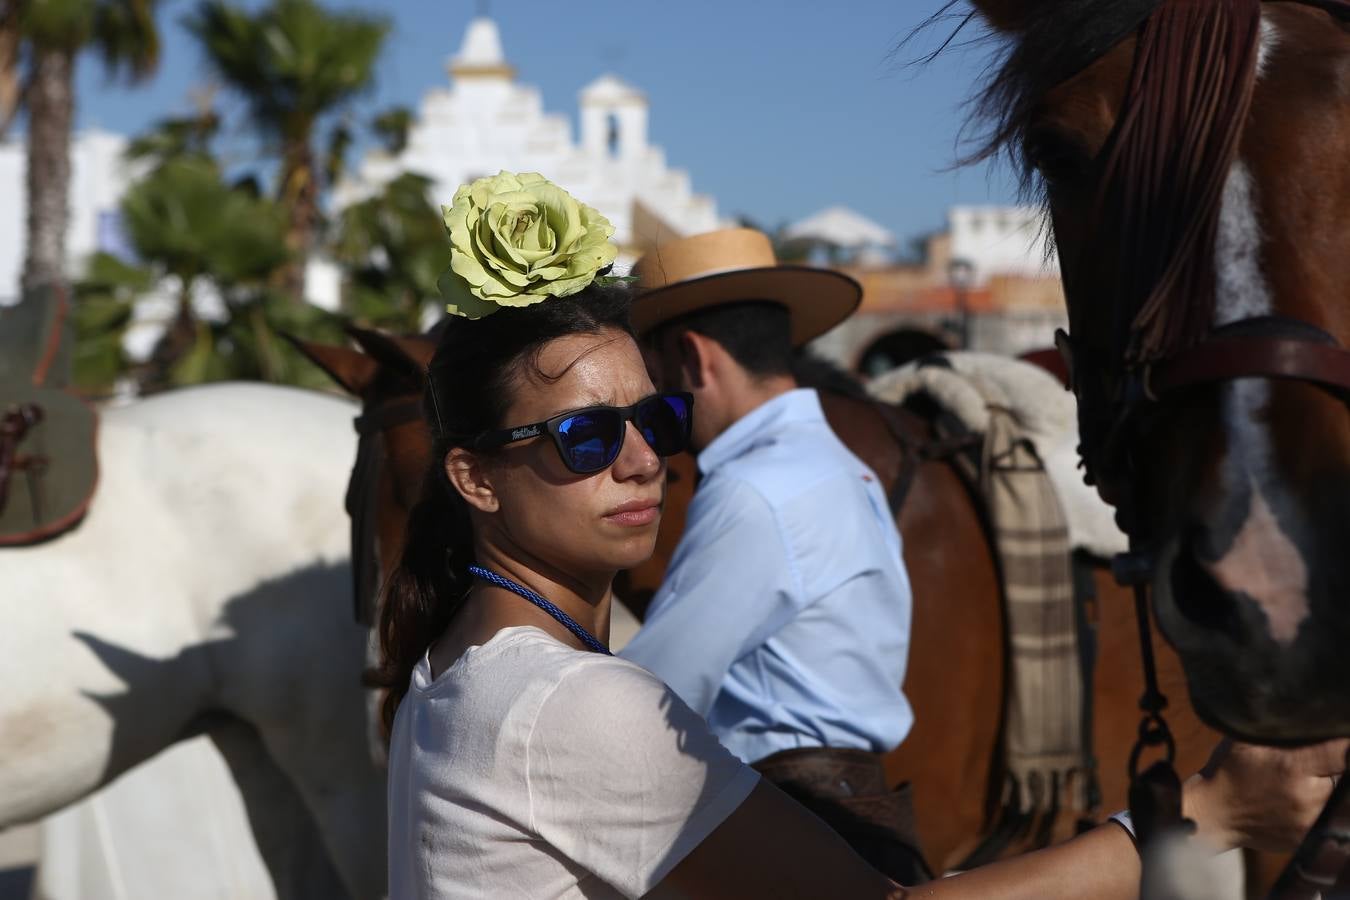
(1195, 592)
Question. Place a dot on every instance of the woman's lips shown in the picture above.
(635, 513)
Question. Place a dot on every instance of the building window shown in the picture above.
(612, 134)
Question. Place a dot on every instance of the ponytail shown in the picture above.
(426, 589)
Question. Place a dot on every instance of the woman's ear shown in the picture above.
(469, 476)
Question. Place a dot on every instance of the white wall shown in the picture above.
(1001, 240)
(13, 208)
(98, 180)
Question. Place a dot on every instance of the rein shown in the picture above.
(360, 502)
(1174, 146)
(14, 425)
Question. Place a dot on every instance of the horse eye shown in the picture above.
(1055, 156)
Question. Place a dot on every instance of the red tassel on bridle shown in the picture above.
(1178, 136)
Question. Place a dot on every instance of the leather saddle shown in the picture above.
(48, 459)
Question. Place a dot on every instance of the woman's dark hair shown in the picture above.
(477, 366)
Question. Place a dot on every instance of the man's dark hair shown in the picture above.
(755, 333)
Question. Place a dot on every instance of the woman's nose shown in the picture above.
(637, 459)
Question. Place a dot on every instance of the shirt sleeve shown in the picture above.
(624, 778)
(731, 586)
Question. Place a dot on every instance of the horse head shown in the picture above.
(1191, 157)
(387, 374)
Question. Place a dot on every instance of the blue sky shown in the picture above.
(776, 109)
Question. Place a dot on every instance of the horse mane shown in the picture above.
(1054, 42)
(1166, 165)
(812, 371)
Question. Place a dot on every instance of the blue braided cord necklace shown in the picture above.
(519, 590)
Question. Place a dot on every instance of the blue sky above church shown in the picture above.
(775, 111)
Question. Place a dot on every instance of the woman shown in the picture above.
(524, 760)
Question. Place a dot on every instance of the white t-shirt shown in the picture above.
(530, 769)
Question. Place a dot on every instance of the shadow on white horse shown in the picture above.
(207, 592)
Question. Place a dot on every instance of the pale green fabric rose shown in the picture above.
(516, 240)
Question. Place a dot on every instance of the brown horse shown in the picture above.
(1192, 157)
(955, 679)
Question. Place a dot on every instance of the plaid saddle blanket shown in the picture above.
(1046, 751)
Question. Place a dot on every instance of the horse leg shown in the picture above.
(293, 670)
(287, 837)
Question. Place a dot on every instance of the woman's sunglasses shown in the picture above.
(589, 440)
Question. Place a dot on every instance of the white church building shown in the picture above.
(486, 121)
(483, 122)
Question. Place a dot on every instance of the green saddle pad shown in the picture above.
(36, 341)
(50, 489)
(50, 493)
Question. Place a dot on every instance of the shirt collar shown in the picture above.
(760, 424)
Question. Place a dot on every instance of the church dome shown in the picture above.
(609, 90)
(481, 53)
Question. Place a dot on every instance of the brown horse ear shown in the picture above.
(408, 356)
(353, 370)
(418, 348)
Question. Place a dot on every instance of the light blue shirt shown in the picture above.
(784, 617)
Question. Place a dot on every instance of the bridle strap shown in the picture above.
(1221, 359)
(1155, 794)
(14, 425)
(1338, 8)
(371, 425)
(389, 415)
(1324, 856)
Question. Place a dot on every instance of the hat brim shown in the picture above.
(817, 299)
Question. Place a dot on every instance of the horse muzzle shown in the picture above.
(1258, 657)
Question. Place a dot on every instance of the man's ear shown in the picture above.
(695, 359)
(468, 476)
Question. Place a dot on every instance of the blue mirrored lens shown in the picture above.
(664, 423)
(591, 440)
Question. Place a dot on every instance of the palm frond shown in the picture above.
(292, 61)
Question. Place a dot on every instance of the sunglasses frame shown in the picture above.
(493, 440)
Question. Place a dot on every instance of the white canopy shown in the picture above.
(842, 227)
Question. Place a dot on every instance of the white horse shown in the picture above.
(207, 591)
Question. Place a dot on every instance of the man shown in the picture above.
(784, 617)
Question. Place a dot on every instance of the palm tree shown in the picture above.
(392, 127)
(124, 34)
(293, 62)
(394, 248)
(105, 298)
(175, 138)
(193, 225)
(192, 232)
(188, 228)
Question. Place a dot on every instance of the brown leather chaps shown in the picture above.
(847, 788)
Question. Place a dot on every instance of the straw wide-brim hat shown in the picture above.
(733, 266)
